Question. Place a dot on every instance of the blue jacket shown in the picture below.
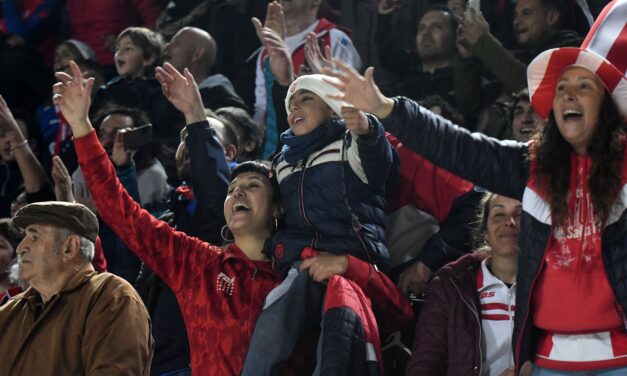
(334, 199)
(503, 167)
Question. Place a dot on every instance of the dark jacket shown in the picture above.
(449, 330)
(217, 91)
(485, 161)
(334, 199)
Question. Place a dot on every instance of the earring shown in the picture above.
(226, 234)
(276, 223)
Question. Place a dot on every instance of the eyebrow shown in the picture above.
(31, 230)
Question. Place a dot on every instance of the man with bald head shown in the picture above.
(196, 50)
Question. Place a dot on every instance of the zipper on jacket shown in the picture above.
(476, 314)
(301, 204)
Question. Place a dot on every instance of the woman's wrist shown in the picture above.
(19, 144)
(385, 108)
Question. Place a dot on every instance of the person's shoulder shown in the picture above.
(110, 286)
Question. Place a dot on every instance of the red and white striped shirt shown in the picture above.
(497, 319)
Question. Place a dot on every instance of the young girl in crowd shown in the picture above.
(334, 170)
(465, 326)
(571, 179)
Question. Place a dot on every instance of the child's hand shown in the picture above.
(325, 265)
(356, 121)
(73, 96)
(182, 91)
(360, 91)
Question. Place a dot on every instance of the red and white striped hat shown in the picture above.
(603, 52)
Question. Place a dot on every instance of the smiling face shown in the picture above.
(38, 255)
(503, 226)
(577, 107)
(307, 111)
(129, 58)
(248, 207)
(525, 122)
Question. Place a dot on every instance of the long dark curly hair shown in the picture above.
(552, 153)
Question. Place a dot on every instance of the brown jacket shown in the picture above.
(96, 325)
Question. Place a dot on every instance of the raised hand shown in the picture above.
(181, 91)
(275, 20)
(8, 125)
(355, 121)
(278, 52)
(359, 91)
(471, 28)
(73, 96)
(62, 181)
(313, 55)
(119, 155)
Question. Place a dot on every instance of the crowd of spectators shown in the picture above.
(254, 183)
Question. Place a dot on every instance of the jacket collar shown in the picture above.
(465, 267)
(233, 252)
(77, 280)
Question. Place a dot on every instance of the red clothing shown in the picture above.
(92, 21)
(99, 261)
(572, 335)
(220, 292)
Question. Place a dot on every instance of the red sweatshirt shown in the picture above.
(220, 292)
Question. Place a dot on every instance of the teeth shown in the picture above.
(571, 112)
(240, 206)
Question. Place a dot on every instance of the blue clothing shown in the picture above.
(334, 197)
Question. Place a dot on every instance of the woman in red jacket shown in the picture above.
(465, 326)
(220, 290)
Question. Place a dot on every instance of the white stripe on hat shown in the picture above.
(613, 25)
(534, 80)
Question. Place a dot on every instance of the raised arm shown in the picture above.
(499, 166)
(171, 254)
(33, 174)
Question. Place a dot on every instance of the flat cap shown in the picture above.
(75, 217)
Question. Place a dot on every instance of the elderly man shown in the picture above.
(196, 50)
(71, 321)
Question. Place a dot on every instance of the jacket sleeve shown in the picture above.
(510, 71)
(171, 254)
(454, 238)
(498, 166)
(391, 307)
(117, 337)
(429, 354)
(210, 175)
(373, 159)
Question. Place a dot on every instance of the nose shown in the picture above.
(238, 191)
(20, 249)
(512, 221)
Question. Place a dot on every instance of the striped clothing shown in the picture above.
(497, 319)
